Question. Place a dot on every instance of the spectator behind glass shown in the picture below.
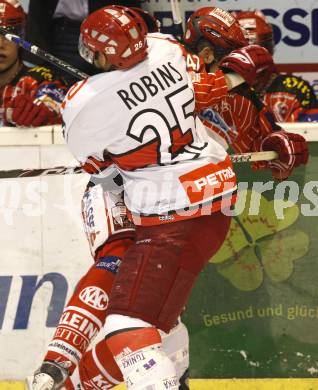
(29, 96)
(287, 96)
(54, 25)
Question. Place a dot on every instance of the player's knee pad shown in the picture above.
(117, 322)
(141, 359)
(85, 313)
(98, 367)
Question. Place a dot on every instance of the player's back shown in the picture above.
(131, 112)
(144, 120)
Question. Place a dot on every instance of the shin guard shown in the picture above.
(98, 367)
(85, 313)
(97, 370)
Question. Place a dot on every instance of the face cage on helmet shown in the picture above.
(84, 51)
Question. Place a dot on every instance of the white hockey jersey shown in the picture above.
(143, 120)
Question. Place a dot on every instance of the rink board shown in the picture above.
(254, 319)
(253, 312)
(226, 384)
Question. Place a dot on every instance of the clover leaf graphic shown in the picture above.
(258, 244)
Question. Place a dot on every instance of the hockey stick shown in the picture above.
(177, 20)
(43, 54)
(254, 157)
(16, 173)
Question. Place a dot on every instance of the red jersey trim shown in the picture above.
(214, 205)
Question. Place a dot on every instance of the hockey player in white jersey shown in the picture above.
(109, 234)
(171, 173)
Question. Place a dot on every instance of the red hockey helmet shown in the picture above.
(12, 16)
(256, 28)
(152, 23)
(119, 32)
(217, 26)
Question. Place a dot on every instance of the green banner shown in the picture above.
(254, 310)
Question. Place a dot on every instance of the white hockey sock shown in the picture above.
(176, 345)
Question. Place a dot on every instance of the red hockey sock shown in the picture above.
(97, 370)
(134, 339)
(85, 313)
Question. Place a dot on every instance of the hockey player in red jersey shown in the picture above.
(287, 96)
(28, 96)
(152, 134)
(240, 120)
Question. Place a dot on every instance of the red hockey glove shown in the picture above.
(27, 112)
(253, 63)
(292, 150)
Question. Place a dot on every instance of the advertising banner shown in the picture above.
(43, 254)
(295, 25)
(254, 311)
